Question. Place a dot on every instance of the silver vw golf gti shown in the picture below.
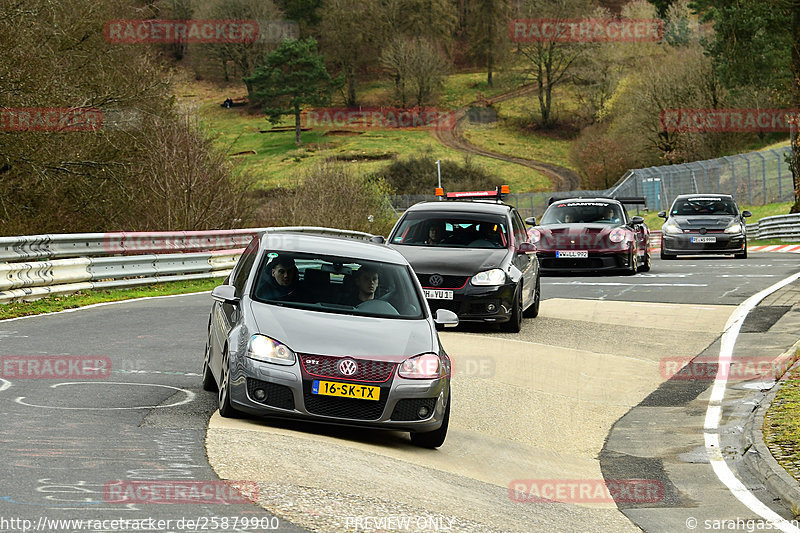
(329, 330)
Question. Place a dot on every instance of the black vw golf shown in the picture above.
(473, 257)
(704, 224)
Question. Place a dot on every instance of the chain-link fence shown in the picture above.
(755, 178)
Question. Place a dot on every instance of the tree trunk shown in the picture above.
(350, 80)
(297, 138)
(490, 43)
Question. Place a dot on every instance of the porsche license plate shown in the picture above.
(572, 254)
(704, 239)
(438, 294)
(345, 390)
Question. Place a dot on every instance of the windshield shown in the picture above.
(454, 230)
(704, 206)
(337, 285)
(583, 213)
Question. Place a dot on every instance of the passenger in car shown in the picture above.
(435, 233)
(365, 283)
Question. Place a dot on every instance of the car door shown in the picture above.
(526, 263)
(225, 315)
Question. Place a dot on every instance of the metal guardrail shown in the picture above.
(105, 260)
(784, 227)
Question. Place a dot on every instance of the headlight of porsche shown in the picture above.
(617, 235)
(671, 227)
(264, 349)
(734, 228)
(489, 277)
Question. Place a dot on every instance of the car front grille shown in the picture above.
(448, 282)
(326, 367)
(344, 407)
(407, 409)
(277, 395)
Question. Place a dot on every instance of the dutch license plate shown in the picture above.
(437, 294)
(572, 254)
(704, 239)
(345, 390)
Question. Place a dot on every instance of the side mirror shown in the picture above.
(531, 221)
(746, 214)
(662, 214)
(225, 294)
(526, 248)
(635, 221)
(446, 318)
(377, 238)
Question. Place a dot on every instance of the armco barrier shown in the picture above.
(105, 260)
(784, 227)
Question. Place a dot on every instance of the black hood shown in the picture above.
(452, 261)
(717, 222)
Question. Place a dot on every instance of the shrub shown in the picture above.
(418, 175)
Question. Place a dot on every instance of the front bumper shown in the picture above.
(681, 244)
(595, 262)
(288, 395)
(479, 304)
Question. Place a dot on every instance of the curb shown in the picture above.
(758, 459)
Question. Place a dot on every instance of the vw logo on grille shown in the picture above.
(703, 231)
(347, 367)
(435, 280)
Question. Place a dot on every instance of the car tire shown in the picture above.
(226, 410)
(514, 324)
(435, 438)
(742, 255)
(533, 310)
(647, 260)
(209, 383)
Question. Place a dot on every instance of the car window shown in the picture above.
(243, 266)
(520, 235)
(583, 213)
(455, 230)
(704, 206)
(332, 284)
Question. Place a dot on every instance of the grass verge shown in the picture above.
(782, 424)
(53, 304)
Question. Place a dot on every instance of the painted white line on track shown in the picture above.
(4, 384)
(189, 397)
(714, 411)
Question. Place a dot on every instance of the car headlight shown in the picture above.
(425, 366)
(494, 276)
(671, 227)
(617, 235)
(267, 350)
(734, 228)
(535, 235)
